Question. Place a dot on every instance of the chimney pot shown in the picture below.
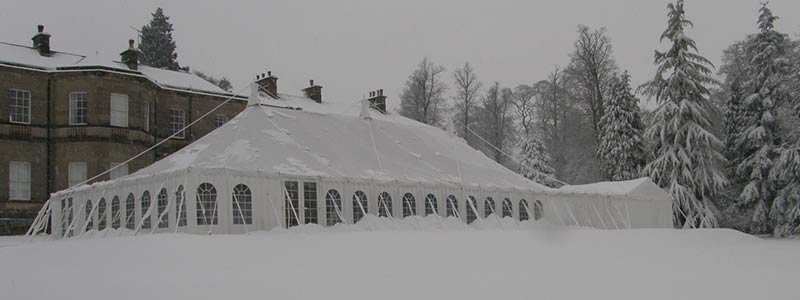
(41, 41)
(130, 57)
(377, 100)
(269, 84)
(314, 92)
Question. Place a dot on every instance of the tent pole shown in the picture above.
(161, 215)
(289, 199)
(239, 208)
(274, 210)
(214, 217)
(34, 225)
(572, 215)
(560, 217)
(598, 216)
(149, 210)
(180, 208)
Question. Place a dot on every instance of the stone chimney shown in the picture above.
(268, 83)
(41, 41)
(130, 57)
(377, 100)
(313, 91)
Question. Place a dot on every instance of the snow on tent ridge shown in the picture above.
(332, 142)
(390, 259)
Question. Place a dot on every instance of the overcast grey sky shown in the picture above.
(353, 46)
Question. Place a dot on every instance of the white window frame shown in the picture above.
(220, 120)
(77, 172)
(118, 172)
(19, 183)
(14, 98)
(177, 120)
(147, 116)
(118, 117)
(76, 98)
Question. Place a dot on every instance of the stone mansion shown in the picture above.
(68, 117)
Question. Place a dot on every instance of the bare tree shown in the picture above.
(550, 107)
(496, 120)
(524, 103)
(467, 87)
(422, 98)
(590, 71)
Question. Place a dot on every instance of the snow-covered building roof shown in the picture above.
(20, 56)
(295, 135)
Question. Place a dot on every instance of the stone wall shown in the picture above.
(49, 143)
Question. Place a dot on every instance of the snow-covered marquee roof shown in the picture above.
(642, 189)
(329, 139)
(27, 57)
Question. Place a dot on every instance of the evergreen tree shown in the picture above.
(535, 163)
(687, 155)
(222, 83)
(733, 70)
(157, 46)
(766, 72)
(621, 149)
(785, 212)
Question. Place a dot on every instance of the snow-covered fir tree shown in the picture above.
(621, 149)
(157, 46)
(767, 72)
(535, 163)
(733, 70)
(687, 155)
(785, 212)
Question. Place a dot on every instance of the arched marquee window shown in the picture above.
(180, 204)
(130, 212)
(384, 205)
(431, 205)
(538, 210)
(472, 205)
(115, 213)
(409, 205)
(242, 200)
(206, 204)
(508, 211)
(101, 214)
(89, 222)
(163, 202)
(489, 207)
(333, 207)
(359, 205)
(145, 207)
(523, 210)
(452, 206)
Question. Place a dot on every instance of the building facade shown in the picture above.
(69, 117)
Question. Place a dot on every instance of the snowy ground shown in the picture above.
(446, 261)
